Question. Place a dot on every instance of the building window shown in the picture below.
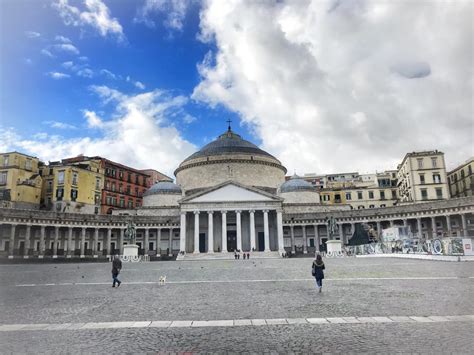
(130, 203)
(437, 178)
(49, 188)
(128, 189)
(74, 178)
(360, 207)
(469, 169)
(122, 202)
(73, 195)
(394, 194)
(61, 177)
(382, 195)
(6, 159)
(136, 191)
(97, 183)
(434, 162)
(108, 200)
(424, 194)
(371, 206)
(59, 194)
(382, 205)
(462, 174)
(371, 194)
(439, 193)
(121, 174)
(3, 177)
(422, 179)
(113, 186)
(359, 195)
(97, 199)
(420, 163)
(348, 196)
(120, 188)
(113, 173)
(28, 164)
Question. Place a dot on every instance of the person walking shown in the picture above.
(317, 271)
(116, 267)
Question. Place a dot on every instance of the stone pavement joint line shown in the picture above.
(346, 321)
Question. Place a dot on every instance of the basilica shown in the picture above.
(230, 195)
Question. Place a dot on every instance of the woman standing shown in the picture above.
(318, 273)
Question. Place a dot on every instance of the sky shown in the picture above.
(324, 86)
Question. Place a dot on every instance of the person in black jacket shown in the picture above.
(116, 267)
(317, 271)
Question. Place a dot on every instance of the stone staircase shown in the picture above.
(228, 256)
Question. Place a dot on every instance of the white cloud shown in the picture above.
(32, 34)
(108, 74)
(57, 75)
(139, 85)
(68, 64)
(188, 118)
(62, 39)
(331, 86)
(96, 15)
(83, 58)
(85, 73)
(28, 61)
(47, 53)
(59, 125)
(175, 11)
(140, 133)
(66, 47)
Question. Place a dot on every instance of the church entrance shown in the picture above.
(261, 241)
(202, 242)
(231, 240)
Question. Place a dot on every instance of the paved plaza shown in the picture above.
(248, 306)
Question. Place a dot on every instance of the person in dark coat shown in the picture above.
(317, 271)
(116, 267)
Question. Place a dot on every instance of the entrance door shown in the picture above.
(231, 240)
(323, 247)
(311, 242)
(261, 241)
(202, 242)
(21, 250)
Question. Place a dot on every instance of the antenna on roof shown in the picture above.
(229, 121)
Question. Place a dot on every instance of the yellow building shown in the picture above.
(360, 197)
(72, 187)
(20, 182)
(461, 179)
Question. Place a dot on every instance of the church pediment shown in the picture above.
(231, 192)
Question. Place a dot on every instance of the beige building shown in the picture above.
(422, 177)
(461, 179)
(20, 182)
(72, 187)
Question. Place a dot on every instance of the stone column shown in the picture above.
(27, 241)
(224, 231)
(96, 242)
(121, 240)
(316, 237)
(379, 229)
(292, 234)
(182, 233)
(341, 232)
(158, 239)
(405, 222)
(433, 227)
(56, 240)
(70, 247)
(391, 223)
(281, 243)
(418, 227)
(196, 231)
(170, 242)
(253, 245)
(305, 242)
(109, 242)
(83, 242)
(448, 225)
(352, 229)
(146, 242)
(12, 241)
(239, 230)
(464, 225)
(210, 232)
(42, 242)
(266, 230)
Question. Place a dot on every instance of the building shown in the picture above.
(72, 186)
(461, 179)
(20, 182)
(230, 195)
(154, 176)
(422, 177)
(361, 197)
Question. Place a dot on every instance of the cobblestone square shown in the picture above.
(257, 306)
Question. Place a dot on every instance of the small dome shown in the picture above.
(296, 183)
(163, 187)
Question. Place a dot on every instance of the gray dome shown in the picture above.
(163, 187)
(229, 143)
(296, 183)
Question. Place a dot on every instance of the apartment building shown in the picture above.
(461, 179)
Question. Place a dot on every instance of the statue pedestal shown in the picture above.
(130, 250)
(334, 246)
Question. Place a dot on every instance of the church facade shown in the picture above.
(230, 195)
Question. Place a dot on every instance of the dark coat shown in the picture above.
(116, 266)
(318, 272)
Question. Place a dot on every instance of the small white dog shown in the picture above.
(162, 279)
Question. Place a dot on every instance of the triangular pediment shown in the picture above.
(231, 192)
